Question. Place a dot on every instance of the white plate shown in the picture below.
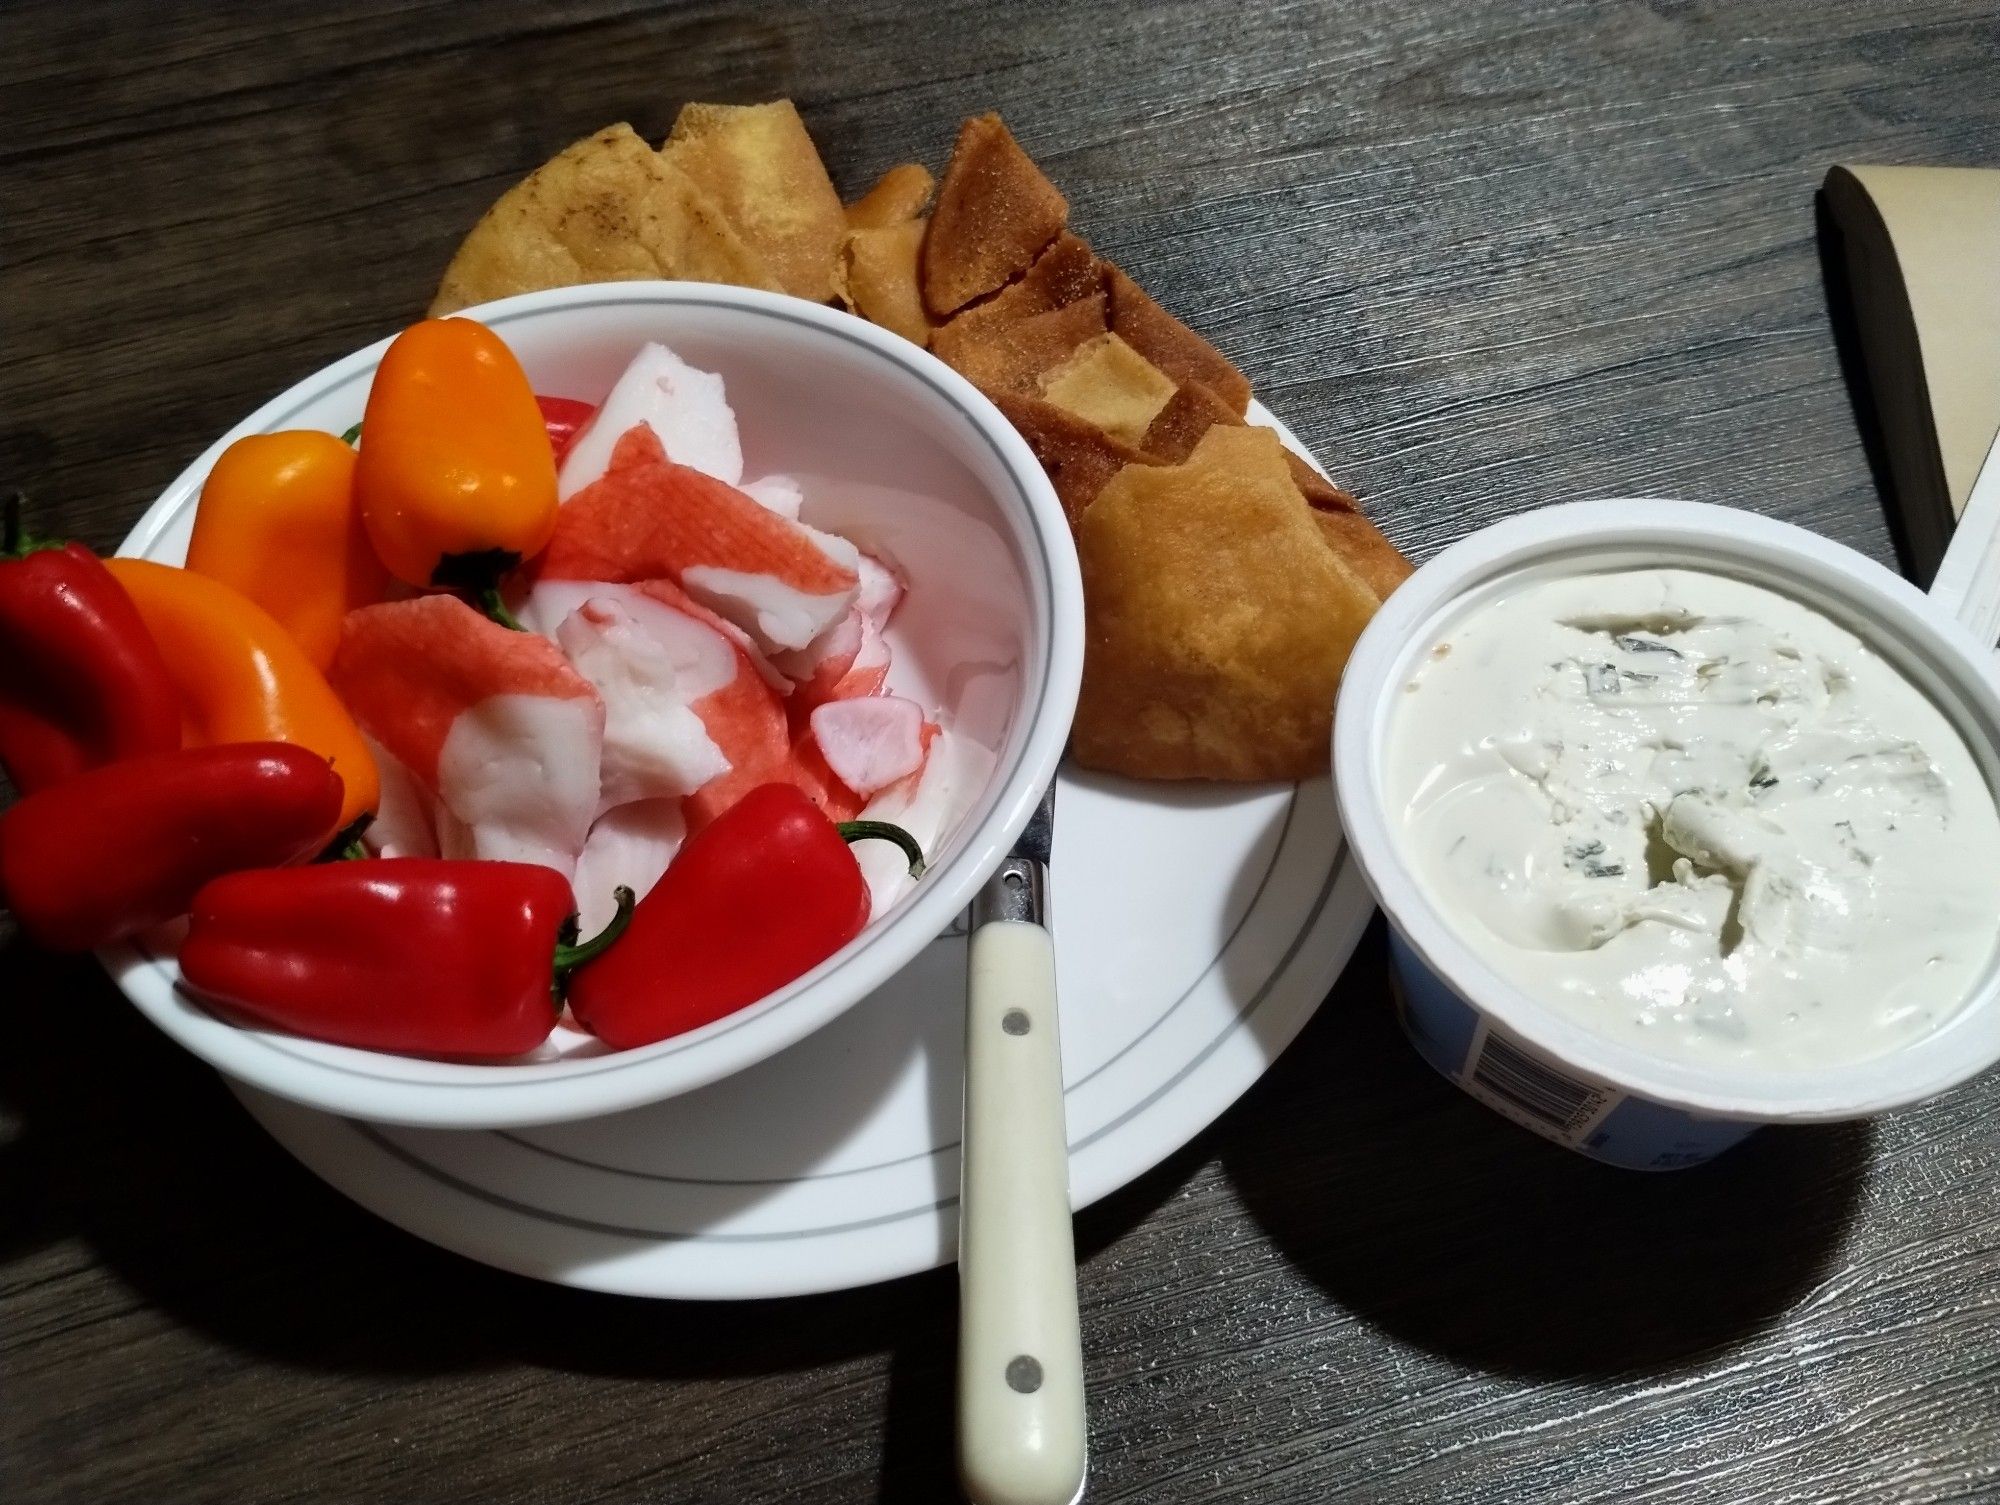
(1198, 926)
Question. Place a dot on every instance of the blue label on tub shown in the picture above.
(1540, 1093)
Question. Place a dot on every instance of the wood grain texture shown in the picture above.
(1483, 258)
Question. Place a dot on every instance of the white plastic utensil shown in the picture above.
(1021, 1428)
(1968, 581)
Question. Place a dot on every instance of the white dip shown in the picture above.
(1698, 817)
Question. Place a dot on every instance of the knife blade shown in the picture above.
(1021, 1424)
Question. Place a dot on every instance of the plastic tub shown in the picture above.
(1590, 1093)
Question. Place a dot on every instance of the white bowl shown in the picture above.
(990, 634)
(1647, 1112)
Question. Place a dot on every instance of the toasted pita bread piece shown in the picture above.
(1193, 410)
(1177, 428)
(1066, 271)
(899, 195)
(759, 165)
(1378, 563)
(1080, 457)
(1106, 382)
(1219, 621)
(1170, 344)
(877, 278)
(606, 209)
(995, 213)
(1064, 274)
(1011, 356)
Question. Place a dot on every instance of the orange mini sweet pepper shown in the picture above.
(278, 522)
(456, 479)
(241, 677)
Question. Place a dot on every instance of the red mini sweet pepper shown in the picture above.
(563, 417)
(759, 897)
(416, 954)
(81, 682)
(113, 851)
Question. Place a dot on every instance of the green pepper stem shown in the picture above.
(346, 844)
(882, 830)
(491, 603)
(569, 957)
(352, 436)
(16, 542)
(478, 574)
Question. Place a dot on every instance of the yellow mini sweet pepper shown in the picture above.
(278, 522)
(242, 678)
(456, 479)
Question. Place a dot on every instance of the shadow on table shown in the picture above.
(1837, 286)
(1411, 1204)
(112, 1135)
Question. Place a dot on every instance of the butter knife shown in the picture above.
(1021, 1429)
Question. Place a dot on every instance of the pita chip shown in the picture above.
(877, 278)
(1106, 382)
(1011, 356)
(1378, 563)
(995, 212)
(757, 163)
(1079, 457)
(898, 196)
(606, 209)
(1193, 410)
(1219, 620)
(1170, 344)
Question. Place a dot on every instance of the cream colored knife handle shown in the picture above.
(1021, 1437)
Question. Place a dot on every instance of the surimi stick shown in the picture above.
(647, 518)
(494, 725)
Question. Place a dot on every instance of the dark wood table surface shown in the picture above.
(1483, 258)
